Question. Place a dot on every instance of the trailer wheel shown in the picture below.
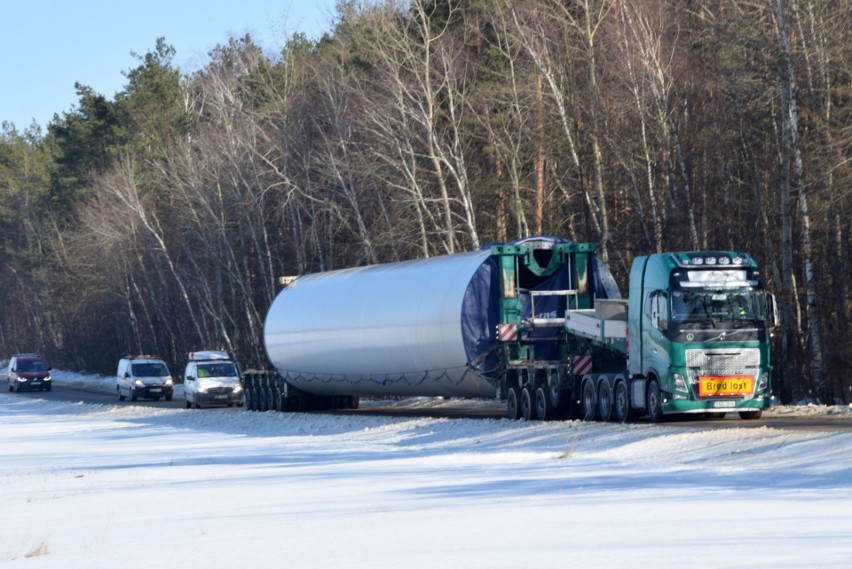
(543, 404)
(512, 409)
(604, 400)
(621, 402)
(655, 402)
(276, 399)
(751, 415)
(527, 409)
(590, 400)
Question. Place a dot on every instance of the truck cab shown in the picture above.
(698, 325)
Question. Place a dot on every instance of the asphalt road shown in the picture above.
(813, 423)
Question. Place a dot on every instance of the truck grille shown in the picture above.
(722, 362)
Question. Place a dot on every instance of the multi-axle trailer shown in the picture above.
(538, 323)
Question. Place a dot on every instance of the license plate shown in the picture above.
(36, 383)
(155, 390)
(709, 386)
(725, 404)
(220, 397)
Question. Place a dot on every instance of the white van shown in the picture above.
(143, 376)
(211, 377)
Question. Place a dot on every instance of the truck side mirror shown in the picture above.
(190, 378)
(772, 311)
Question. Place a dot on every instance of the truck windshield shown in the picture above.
(150, 370)
(726, 304)
(224, 369)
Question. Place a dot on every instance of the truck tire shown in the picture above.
(590, 400)
(512, 407)
(604, 400)
(751, 415)
(543, 404)
(120, 396)
(620, 402)
(133, 395)
(527, 409)
(655, 402)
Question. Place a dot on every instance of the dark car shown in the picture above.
(28, 372)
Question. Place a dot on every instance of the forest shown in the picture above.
(160, 220)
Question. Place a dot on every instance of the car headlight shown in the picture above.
(169, 382)
(48, 378)
(238, 389)
(680, 383)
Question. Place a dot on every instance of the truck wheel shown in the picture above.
(543, 404)
(527, 409)
(621, 402)
(590, 400)
(188, 404)
(604, 400)
(512, 408)
(120, 396)
(655, 402)
(168, 397)
(751, 415)
(133, 396)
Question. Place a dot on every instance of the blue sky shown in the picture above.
(47, 46)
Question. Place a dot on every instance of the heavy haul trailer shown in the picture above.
(536, 323)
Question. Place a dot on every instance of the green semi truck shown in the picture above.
(538, 323)
(693, 336)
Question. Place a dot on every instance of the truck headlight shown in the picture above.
(139, 383)
(679, 382)
(238, 389)
(169, 382)
(763, 383)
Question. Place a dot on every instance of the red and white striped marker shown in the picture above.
(582, 365)
(507, 332)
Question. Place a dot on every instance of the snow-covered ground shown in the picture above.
(129, 486)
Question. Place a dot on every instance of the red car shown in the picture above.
(28, 372)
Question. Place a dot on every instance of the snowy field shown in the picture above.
(105, 486)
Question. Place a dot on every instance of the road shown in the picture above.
(813, 423)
